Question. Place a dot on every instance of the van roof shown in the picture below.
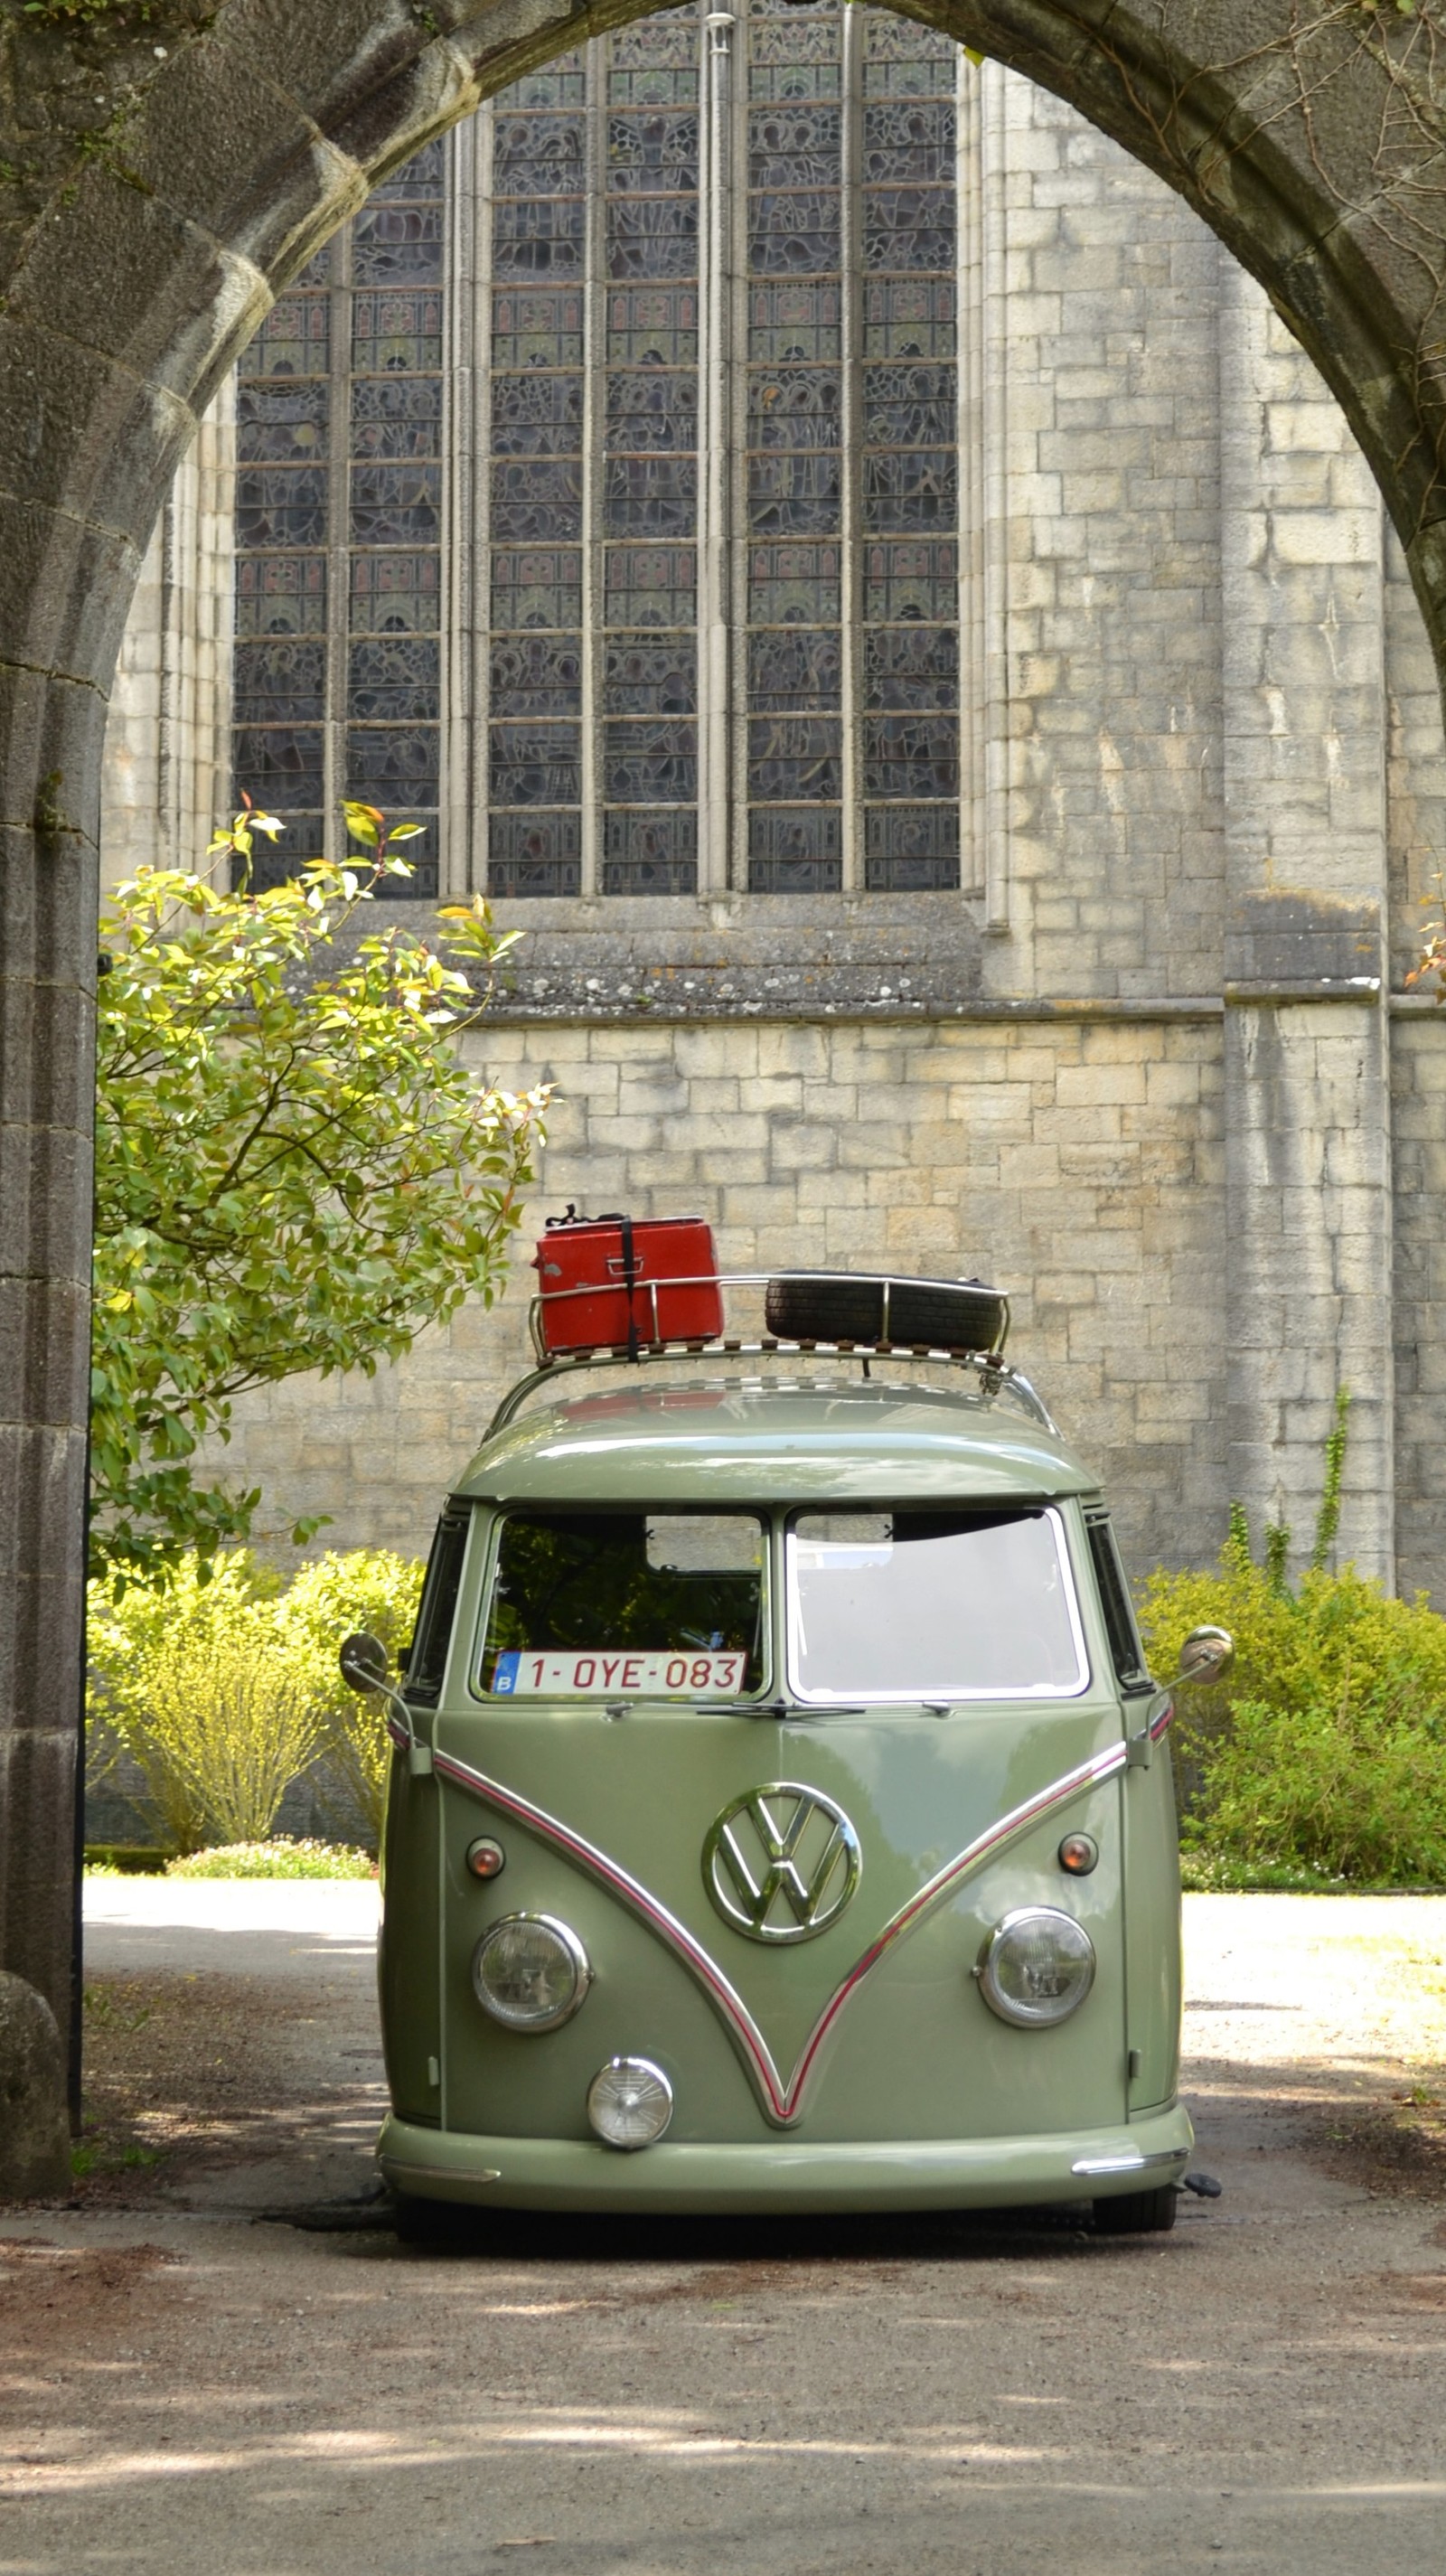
(711, 1440)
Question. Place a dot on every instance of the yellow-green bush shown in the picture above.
(200, 1686)
(366, 1588)
(1324, 1749)
(225, 1690)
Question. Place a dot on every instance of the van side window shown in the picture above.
(1126, 1652)
(427, 1659)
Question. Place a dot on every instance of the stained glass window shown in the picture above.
(538, 410)
(908, 505)
(794, 104)
(716, 488)
(830, 213)
(648, 682)
(337, 672)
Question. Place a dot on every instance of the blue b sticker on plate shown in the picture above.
(577, 1675)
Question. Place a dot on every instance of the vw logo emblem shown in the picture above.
(782, 1862)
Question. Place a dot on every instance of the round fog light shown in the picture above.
(530, 1972)
(1038, 1967)
(630, 2102)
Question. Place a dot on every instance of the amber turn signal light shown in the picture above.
(1078, 1853)
(486, 1859)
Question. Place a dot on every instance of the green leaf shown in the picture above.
(290, 1163)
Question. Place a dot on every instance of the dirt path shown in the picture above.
(189, 2389)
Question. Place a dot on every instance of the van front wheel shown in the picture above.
(1136, 2213)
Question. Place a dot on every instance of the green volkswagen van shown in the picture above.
(781, 1816)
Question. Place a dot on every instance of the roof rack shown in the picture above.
(994, 1376)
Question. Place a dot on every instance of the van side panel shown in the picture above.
(408, 1945)
(1152, 1929)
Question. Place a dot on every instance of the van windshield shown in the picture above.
(932, 1605)
(620, 1605)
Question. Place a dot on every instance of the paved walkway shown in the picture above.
(1261, 2393)
(267, 1927)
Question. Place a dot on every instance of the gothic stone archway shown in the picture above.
(160, 181)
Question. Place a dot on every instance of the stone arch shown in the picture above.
(164, 180)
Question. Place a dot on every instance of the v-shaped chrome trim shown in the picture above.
(782, 2100)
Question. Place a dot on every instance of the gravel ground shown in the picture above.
(193, 2386)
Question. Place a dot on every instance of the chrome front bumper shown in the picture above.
(788, 2173)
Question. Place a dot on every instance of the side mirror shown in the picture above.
(363, 1660)
(1205, 1656)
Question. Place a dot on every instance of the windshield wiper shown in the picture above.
(771, 1708)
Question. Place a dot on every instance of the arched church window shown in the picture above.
(683, 615)
(339, 505)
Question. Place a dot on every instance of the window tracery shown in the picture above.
(823, 338)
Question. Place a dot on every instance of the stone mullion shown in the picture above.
(177, 534)
(209, 768)
(969, 430)
(994, 443)
(480, 484)
(338, 544)
(851, 294)
(464, 446)
(594, 426)
(737, 453)
(716, 271)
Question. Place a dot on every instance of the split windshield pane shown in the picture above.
(621, 1605)
(930, 1605)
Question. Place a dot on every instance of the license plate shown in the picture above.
(600, 1676)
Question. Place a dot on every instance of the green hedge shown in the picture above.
(1322, 1755)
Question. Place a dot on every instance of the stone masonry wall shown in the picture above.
(1078, 1165)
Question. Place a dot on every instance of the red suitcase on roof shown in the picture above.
(612, 1282)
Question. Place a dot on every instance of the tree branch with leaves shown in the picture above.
(295, 1169)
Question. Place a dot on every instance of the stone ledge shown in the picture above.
(1311, 988)
(510, 1011)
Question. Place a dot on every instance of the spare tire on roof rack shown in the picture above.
(842, 1306)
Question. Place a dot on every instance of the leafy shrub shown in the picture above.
(283, 1858)
(367, 1588)
(200, 1684)
(1354, 1788)
(224, 1687)
(1324, 1749)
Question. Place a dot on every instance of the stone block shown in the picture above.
(623, 1135)
(786, 1049)
(730, 1051)
(1108, 1085)
(760, 1208)
(772, 1095)
(802, 1148)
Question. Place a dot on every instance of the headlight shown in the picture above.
(1038, 1967)
(530, 1971)
(630, 2102)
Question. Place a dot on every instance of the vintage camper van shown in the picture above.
(781, 1814)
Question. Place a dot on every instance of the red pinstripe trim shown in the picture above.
(782, 2102)
(726, 2001)
(1088, 1775)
